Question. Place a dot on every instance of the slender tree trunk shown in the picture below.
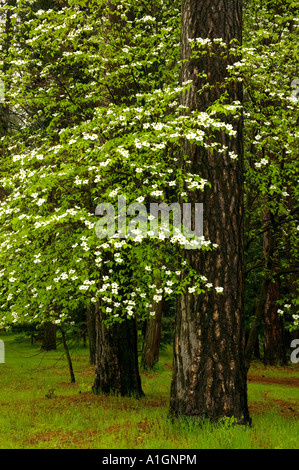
(91, 329)
(257, 322)
(209, 375)
(116, 358)
(68, 356)
(49, 336)
(274, 337)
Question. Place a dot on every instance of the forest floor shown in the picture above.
(41, 409)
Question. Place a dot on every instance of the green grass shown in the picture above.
(40, 408)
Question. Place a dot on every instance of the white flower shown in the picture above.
(148, 268)
(40, 201)
(168, 290)
(219, 289)
(156, 193)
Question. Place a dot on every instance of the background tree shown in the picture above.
(271, 117)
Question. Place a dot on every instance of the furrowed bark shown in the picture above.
(209, 376)
(116, 358)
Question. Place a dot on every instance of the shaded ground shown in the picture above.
(285, 381)
(40, 408)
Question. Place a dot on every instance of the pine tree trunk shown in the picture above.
(116, 358)
(209, 375)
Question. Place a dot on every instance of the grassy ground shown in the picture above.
(40, 408)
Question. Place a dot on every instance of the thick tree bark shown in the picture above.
(116, 358)
(209, 377)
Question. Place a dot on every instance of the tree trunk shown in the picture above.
(209, 375)
(116, 358)
(274, 338)
(68, 356)
(257, 322)
(152, 339)
(49, 336)
(91, 329)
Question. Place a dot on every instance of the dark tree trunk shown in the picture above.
(91, 329)
(117, 369)
(68, 356)
(257, 322)
(152, 339)
(49, 336)
(209, 375)
(274, 337)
